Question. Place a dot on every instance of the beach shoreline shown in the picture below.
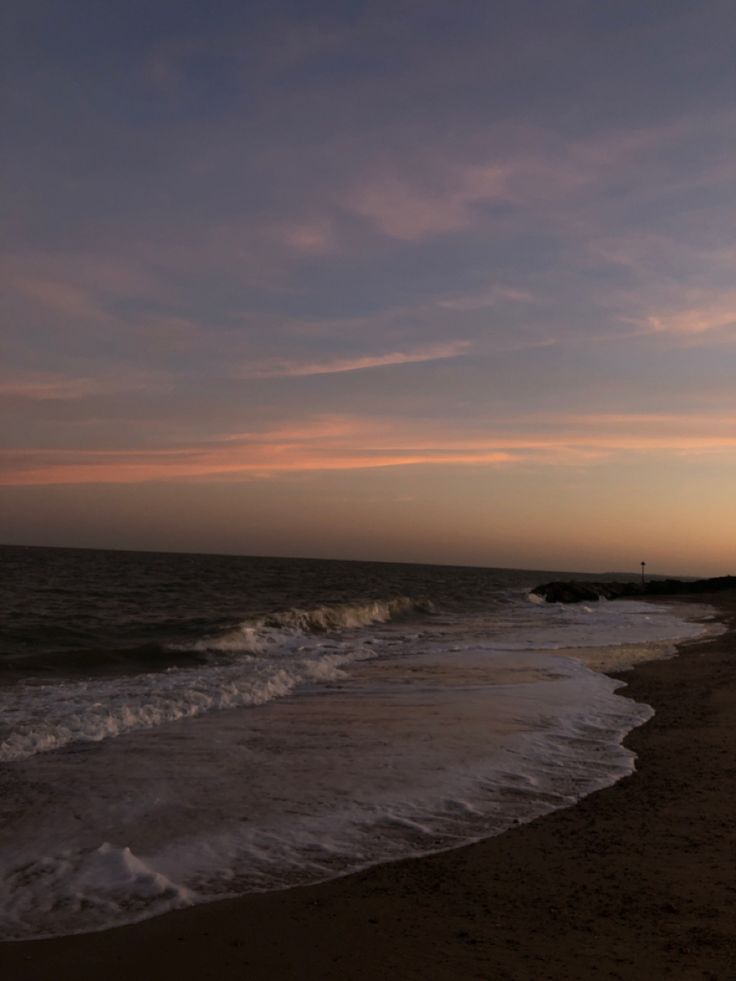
(633, 881)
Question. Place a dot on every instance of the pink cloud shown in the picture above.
(530, 168)
(405, 210)
(49, 467)
(61, 278)
(60, 297)
(715, 315)
(48, 386)
(84, 297)
(345, 443)
(485, 299)
(433, 352)
(309, 237)
(42, 387)
(704, 422)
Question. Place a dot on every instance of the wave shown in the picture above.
(42, 718)
(257, 634)
(39, 718)
(85, 888)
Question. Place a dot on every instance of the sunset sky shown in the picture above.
(416, 281)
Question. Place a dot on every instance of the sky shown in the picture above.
(408, 281)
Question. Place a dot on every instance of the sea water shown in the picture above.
(176, 729)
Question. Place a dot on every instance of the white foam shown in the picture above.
(552, 627)
(536, 599)
(41, 718)
(279, 653)
(443, 736)
(324, 819)
(93, 886)
(260, 634)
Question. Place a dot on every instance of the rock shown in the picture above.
(583, 591)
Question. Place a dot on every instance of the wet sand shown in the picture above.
(637, 881)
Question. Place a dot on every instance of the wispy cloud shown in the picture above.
(484, 299)
(64, 299)
(405, 209)
(42, 388)
(529, 170)
(308, 237)
(322, 203)
(715, 315)
(48, 467)
(56, 387)
(354, 443)
(432, 352)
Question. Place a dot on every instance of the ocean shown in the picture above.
(176, 729)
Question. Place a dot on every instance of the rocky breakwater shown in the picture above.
(583, 591)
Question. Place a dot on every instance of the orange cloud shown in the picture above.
(344, 443)
(50, 467)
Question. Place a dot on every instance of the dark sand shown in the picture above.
(637, 881)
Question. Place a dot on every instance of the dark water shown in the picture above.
(76, 610)
(178, 728)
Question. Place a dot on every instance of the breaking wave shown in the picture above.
(92, 711)
(259, 634)
(275, 655)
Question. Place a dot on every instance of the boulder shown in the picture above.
(584, 591)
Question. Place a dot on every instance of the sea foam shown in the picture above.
(513, 756)
(41, 718)
(400, 737)
(93, 886)
(259, 634)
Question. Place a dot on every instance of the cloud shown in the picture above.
(433, 352)
(56, 387)
(404, 209)
(676, 421)
(716, 315)
(62, 298)
(263, 221)
(354, 443)
(48, 467)
(527, 169)
(73, 282)
(49, 387)
(314, 237)
(103, 312)
(485, 299)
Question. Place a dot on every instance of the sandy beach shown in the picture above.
(635, 881)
